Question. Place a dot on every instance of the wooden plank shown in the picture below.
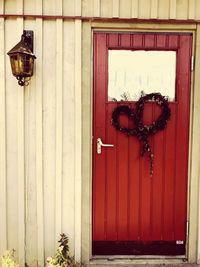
(183, 95)
(30, 163)
(21, 153)
(49, 7)
(68, 209)
(2, 7)
(158, 178)
(145, 189)
(135, 9)
(100, 65)
(87, 8)
(106, 9)
(59, 137)
(78, 138)
(78, 7)
(59, 8)
(191, 9)
(115, 8)
(3, 187)
(39, 140)
(163, 9)
(96, 8)
(20, 156)
(111, 174)
(87, 144)
(49, 132)
(182, 9)
(122, 182)
(29, 155)
(194, 233)
(20, 7)
(164, 177)
(144, 9)
(125, 8)
(122, 168)
(10, 7)
(172, 10)
(154, 9)
(68, 8)
(197, 10)
(39, 7)
(134, 189)
(30, 7)
(11, 138)
(169, 192)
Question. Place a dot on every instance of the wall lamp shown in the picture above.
(22, 58)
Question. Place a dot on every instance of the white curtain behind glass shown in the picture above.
(131, 72)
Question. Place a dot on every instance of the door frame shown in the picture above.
(194, 142)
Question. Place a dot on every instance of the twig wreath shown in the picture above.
(141, 131)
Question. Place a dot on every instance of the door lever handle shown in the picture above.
(100, 144)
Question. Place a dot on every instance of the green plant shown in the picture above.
(62, 257)
(8, 259)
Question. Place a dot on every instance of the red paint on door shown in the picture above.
(128, 204)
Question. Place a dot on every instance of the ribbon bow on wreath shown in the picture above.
(141, 131)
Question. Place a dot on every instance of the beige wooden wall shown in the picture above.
(40, 125)
(40, 138)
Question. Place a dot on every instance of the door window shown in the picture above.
(133, 72)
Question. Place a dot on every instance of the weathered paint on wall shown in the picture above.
(40, 125)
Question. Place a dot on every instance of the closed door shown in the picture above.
(135, 213)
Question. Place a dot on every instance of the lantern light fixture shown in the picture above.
(22, 58)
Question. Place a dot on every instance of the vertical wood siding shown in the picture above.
(163, 9)
(78, 144)
(38, 243)
(20, 155)
(40, 125)
(3, 187)
(40, 139)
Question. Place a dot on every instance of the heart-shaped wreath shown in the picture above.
(141, 131)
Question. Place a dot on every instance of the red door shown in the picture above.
(135, 213)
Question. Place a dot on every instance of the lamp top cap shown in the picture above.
(21, 48)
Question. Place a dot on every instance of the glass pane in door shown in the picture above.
(132, 72)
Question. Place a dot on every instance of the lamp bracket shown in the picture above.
(27, 36)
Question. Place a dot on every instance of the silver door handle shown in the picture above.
(100, 144)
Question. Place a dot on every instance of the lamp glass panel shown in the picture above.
(22, 65)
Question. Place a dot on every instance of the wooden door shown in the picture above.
(135, 213)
